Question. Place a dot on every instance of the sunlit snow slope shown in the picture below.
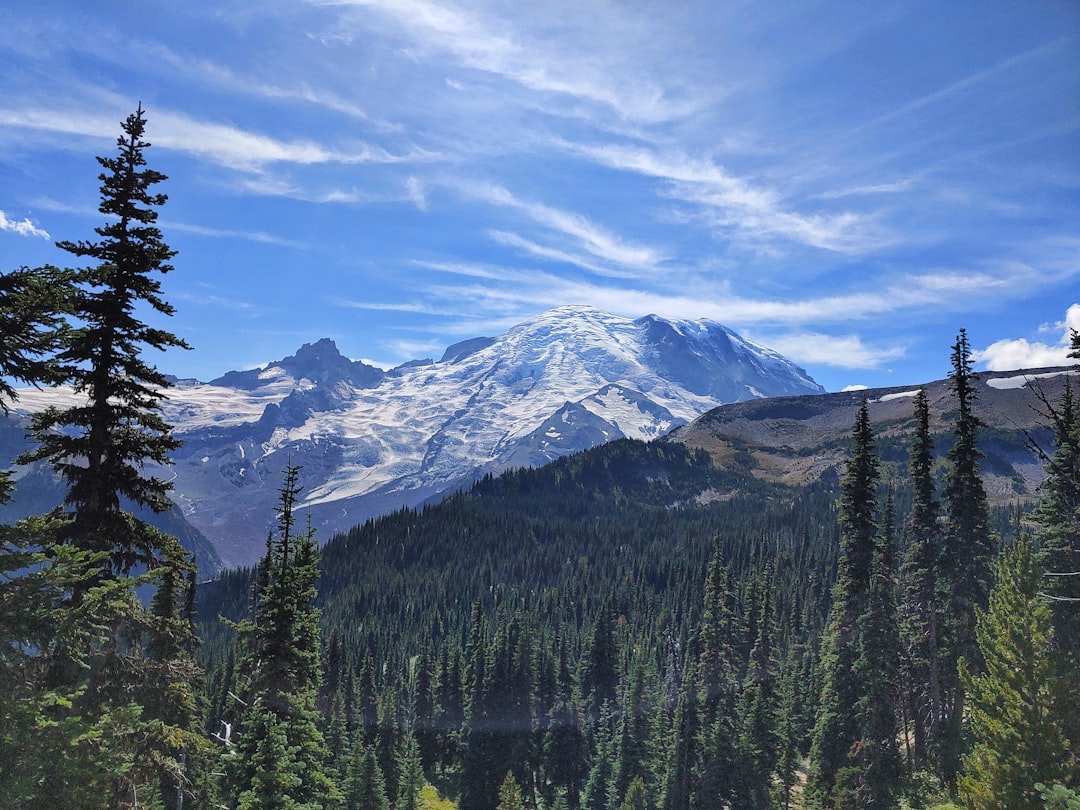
(371, 441)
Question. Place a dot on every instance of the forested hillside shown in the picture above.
(627, 628)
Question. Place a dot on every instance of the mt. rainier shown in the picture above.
(371, 441)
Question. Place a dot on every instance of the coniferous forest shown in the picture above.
(585, 635)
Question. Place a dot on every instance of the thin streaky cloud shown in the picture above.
(554, 254)
(224, 145)
(961, 85)
(481, 44)
(419, 309)
(732, 203)
(595, 239)
(225, 233)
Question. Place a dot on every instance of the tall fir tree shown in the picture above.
(103, 447)
(920, 601)
(967, 554)
(1014, 714)
(757, 742)
(877, 764)
(281, 666)
(1058, 518)
(838, 729)
(132, 662)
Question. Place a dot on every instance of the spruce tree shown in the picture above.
(757, 743)
(1014, 716)
(838, 729)
(282, 668)
(967, 554)
(920, 601)
(32, 303)
(1058, 517)
(509, 794)
(878, 760)
(365, 788)
(103, 447)
(132, 663)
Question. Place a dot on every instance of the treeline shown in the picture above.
(623, 629)
(581, 636)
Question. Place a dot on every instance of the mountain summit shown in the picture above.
(371, 441)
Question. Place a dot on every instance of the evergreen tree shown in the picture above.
(1058, 516)
(636, 797)
(32, 303)
(410, 774)
(634, 732)
(920, 602)
(102, 447)
(838, 730)
(757, 738)
(281, 659)
(1013, 713)
(878, 762)
(509, 794)
(967, 554)
(133, 663)
(599, 786)
(365, 788)
(681, 773)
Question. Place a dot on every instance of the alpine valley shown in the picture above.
(372, 441)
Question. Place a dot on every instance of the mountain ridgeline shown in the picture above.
(819, 601)
(372, 441)
(633, 612)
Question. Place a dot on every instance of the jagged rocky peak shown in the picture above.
(319, 362)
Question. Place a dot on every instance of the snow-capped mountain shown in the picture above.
(371, 441)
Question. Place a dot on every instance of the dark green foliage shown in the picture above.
(365, 788)
(108, 688)
(839, 727)
(281, 752)
(966, 557)
(921, 601)
(32, 304)
(1058, 518)
(101, 447)
(877, 760)
(1013, 710)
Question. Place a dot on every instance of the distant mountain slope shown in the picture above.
(372, 441)
(797, 440)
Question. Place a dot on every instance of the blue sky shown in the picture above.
(846, 182)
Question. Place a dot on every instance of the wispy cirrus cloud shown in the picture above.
(225, 145)
(22, 227)
(227, 233)
(572, 64)
(596, 240)
(751, 211)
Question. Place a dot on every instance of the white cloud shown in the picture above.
(585, 62)
(595, 239)
(1011, 354)
(416, 193)
(225, 233)
(838, 351)
(226, 145)
(854, 387)
(754, 212)
(23, 227)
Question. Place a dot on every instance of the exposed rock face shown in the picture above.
(371, 441)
